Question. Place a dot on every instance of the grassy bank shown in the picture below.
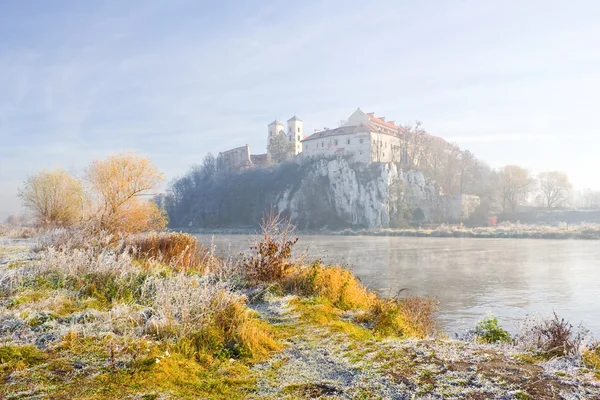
(157, 316)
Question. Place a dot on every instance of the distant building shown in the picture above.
(240, 159)
(363, 137)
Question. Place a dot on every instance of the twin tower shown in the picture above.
(294, 133)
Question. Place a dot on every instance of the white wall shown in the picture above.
(339, 145)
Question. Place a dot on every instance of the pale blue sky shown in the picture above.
(513, 81)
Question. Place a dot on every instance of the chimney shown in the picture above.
(382, 118)
(371, 114)
(392, 122)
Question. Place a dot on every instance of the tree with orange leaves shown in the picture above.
(119, 182)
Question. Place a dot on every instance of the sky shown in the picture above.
(515, 82)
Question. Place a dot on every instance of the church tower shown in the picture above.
(295, 133)
(275, 128)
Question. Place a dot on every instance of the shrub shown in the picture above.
(553, 336)
(179, 250)
(338, 285)
(489, 330)
(404, 317)
(270, 256)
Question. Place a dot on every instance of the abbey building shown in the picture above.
(363, 138)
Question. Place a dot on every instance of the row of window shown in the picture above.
(290, 129)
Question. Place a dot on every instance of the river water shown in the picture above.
(510, 278)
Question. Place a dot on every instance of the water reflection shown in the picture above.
(508, 277)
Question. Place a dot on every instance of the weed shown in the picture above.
(489, 330)
(552, 337)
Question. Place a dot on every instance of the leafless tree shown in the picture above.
(554, 189)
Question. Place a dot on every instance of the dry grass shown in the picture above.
(336, 284)
(179, 250)
(205, 317)
(17, 232)
(404, 317)
(591, 357)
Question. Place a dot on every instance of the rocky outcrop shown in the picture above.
(367, 195)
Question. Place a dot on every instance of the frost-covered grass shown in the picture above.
(17, 232)
(88, 315)
(505, 230)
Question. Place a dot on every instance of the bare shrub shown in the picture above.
(180, 250)
(270, 256)
(404, 317)
(552, 336)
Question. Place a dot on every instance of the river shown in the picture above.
(510, 278)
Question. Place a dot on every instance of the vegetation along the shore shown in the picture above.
(93, 314)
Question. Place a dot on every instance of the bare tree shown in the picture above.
(280, 148)
(554, 189)
(515, 186)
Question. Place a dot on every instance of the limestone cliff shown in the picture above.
(331, 193)
(366, 195)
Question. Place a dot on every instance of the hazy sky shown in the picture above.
(513, 81)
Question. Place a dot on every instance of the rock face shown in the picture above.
(366, 195)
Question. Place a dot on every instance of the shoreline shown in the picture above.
(513, 232)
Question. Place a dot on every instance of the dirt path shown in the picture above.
(321, 363)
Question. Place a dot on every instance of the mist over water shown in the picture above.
(507, 277)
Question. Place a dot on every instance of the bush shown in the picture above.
(404, 317)
(179, 250)
(553, 336)
(270, 256)
(489, 331)
(338, 285)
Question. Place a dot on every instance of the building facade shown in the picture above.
(363, 138)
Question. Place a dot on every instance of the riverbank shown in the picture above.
(82, 320)
(503, 231)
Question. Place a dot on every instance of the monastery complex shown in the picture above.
(363, 138)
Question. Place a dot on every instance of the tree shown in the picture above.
(554, 189)
(515, 186)
(13, 220)
(280, 148)
(118, 182)
(55, 198)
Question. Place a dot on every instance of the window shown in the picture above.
(361, 141)
(299, 138)
(306, 146)
(290, 129)
(322, 144)
(335, 142)
(360, 152)
(383, 155)
(380, 144)
(348, 141)
(298, 129)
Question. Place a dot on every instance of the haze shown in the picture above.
(513, 82)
